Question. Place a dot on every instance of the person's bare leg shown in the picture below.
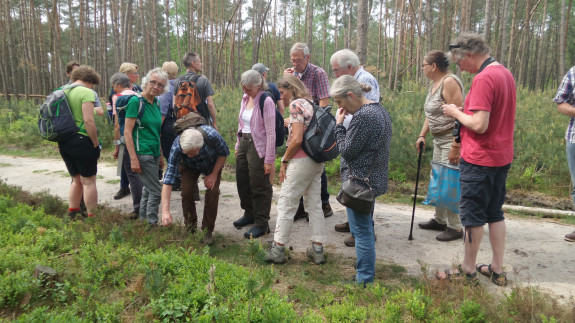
(497, 231)
(475, 234)
(470, 254)
(75, 193)
(90, 193)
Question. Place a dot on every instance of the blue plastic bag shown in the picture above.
(444, 188)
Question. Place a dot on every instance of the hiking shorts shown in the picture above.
(482, 193)
(80, 156)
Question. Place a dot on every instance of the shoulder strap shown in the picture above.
(262, 101)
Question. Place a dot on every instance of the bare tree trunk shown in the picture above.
(429, 24)
(336, 36)
(563, 34)
(395, 48)
(399, 46)
(324, 27)
(503, 31)
(309, 24)
(487, 23)
(362, 24)
(167, 13)
(539, 62)
(179, 55)
(379, 37)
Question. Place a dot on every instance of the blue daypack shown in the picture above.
(121, 103)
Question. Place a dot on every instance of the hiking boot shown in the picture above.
(123, 192)
(300, 213)
(342, 227)
(570, 237)
(257, 231)
(432, 225)
(276, 254)
(243, 221)
(450, 234)
(349, 241)
(208, 238)
(327, 211)
(317, 256)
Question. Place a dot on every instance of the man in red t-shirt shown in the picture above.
(487, 125)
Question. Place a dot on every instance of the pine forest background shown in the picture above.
(534, 38)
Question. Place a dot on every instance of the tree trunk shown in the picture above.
(487, 23)
(362, 24)
(503, 30)
(309, 25)
(167, 23)
(562, 35)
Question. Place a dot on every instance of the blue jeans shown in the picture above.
(152, 191)
(571, 162)
(361, 227)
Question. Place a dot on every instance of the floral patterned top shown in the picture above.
(300, 111)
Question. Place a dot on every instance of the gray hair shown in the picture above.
(346, 83)
(253, 78)
(345, 58)
(469, 43)
(189, 58)
(120, 79)
(300, 47)
(163, 76)
(191, 139)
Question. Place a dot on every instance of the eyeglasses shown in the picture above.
(424, 65)
(157, 84)
(452, 47)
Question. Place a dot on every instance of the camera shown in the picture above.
(456, 132)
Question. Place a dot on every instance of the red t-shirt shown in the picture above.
(492, 90)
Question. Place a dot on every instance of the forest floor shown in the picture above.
(536, 253)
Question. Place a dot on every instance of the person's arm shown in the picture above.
(453, 93)
(477, 122)
(281, 106)
(89, 124)
(424, 131)
(297, 130)
(566, 109)
(166, 214)
(212, 110)
(128, 128)
(210, 179)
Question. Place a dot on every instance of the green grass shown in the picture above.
(112, 269)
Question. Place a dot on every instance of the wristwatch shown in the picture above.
(285, 161)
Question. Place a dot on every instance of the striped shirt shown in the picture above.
(566, 94)
(203, 162)
(316, 81)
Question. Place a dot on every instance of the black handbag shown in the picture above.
(356, 196)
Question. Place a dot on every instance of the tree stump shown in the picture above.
(46, 275)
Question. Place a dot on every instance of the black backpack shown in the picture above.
(319, 137)
(55, 119)
(280, 129)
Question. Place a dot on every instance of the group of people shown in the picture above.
(483, 149)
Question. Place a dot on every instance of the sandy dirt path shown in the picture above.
(536, 253)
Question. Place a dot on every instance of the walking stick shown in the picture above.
(415, 195)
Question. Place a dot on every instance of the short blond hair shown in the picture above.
(128, 68)
(171, 68)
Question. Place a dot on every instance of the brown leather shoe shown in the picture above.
(342, 227)
(570, 237)
(432, 225)
(449, 235)
(349, 241)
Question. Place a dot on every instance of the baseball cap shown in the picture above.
(261, 68)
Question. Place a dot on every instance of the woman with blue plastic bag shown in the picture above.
(445, 88)
(364, 148)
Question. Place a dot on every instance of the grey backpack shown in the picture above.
(55, 119)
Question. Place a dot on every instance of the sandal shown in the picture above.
(450, 276)
(497, 279)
